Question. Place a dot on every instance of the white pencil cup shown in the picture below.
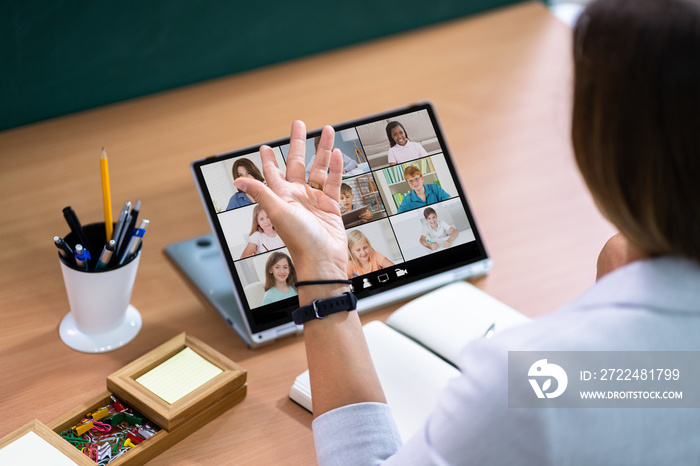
(100, 318)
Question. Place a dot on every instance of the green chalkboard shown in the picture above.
(59, 56)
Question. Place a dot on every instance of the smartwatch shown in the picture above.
(320, 308)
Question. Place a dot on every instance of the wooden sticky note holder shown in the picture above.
(177, 419)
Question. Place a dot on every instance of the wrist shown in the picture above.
(309, 293)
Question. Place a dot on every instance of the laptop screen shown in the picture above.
(404, 209)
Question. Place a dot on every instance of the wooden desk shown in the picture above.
(501, 86)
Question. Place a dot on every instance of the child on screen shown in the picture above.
(401, 149)
(362, 257)
(347, 205)
(280, 277)
(263, 236)
(436, 233)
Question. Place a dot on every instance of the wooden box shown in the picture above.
(176, 419)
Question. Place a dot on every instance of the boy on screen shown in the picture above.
(421, 195)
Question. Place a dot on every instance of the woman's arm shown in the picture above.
(308, 220)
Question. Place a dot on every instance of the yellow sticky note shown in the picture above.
(179, 375)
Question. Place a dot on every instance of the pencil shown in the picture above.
(106, 195)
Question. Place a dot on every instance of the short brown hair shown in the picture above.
(411, 170)
(345, 189)
(635, 119)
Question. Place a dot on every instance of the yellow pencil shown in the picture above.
(106, 195)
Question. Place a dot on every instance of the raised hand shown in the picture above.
(305, 215)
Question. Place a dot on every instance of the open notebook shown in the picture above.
(405, 349)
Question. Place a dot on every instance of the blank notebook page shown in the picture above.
(32, 450)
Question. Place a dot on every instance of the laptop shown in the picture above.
(233, 266)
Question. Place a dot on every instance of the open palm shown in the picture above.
(307, 219)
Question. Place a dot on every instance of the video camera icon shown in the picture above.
(401, 272)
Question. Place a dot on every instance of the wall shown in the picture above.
(64, 56)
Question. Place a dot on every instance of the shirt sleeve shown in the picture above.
(426, 232)
(358, 434)
(349, 163)
(391, 155)
(255, 239)
(442, 194)
(471, 424)
(406, 204)
(445, 228)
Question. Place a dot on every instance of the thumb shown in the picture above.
(260, 193)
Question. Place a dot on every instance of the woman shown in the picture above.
(243, 168)
(636, 94)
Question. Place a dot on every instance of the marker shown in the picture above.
(106, 255)
(134, 241)
(81, 257)
(431, 242)
(63, 249)
(75, 226)
(106, 194)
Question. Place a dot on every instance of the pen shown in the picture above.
(490, 331)
(106, 255)
(75, 226)
(132, 218)
(81, 257)
(106, 194)
(121, 225)
(134, 241)
(63, 249)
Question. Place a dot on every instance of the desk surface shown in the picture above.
(500, 82)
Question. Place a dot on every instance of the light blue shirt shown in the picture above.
(273, 295)
(650, 305)
(433, 194)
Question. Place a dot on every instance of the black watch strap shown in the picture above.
(320, 308)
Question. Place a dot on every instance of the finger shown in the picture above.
(296, 170)
(263, 195)
(271, 171)
(319, 169)
(335, 176)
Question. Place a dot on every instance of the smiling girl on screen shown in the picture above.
(263, 236)
(362, 257)
(401, 149)
(245, 168)
(279, 278)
